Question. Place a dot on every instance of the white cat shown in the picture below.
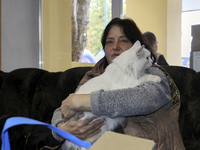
(126, 70)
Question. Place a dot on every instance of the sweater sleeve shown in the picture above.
(140, 100)
(56, 119)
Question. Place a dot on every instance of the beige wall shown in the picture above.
(57, 39)
(174, 11)
(56, 34)
(150, 15)
(163, 17)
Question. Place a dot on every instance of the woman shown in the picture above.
(143, 106)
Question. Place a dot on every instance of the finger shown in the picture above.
(88, 135)
(65, 118)
(94, 129)
(85, 121)
(84, 131)
(94, 126)
(94, 133)
(91, 120)
(97, 124)
(70, 115)
(78, 116)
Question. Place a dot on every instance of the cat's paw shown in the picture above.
(156, 79)
(152, 78)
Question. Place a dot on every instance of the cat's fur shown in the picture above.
(126, 70)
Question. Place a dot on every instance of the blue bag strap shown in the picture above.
(14, 121)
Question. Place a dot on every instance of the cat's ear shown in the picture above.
(137, 44)
(140, 51)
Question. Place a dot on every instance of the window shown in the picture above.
(100, 14)
(190, 17)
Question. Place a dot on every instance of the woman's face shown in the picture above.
(154, 47)
(116, 43)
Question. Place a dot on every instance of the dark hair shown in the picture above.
(128, 27)
(150, 38)
(130, 30)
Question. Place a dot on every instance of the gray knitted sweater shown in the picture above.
(140, 100)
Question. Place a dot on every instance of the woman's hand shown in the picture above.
(82, 129)
(73, 104)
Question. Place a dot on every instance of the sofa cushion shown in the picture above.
(188, 81)
(34, 93)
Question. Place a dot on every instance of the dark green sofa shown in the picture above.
(36, 93)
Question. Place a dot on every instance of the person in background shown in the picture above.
(151, 109)
(152, 42)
